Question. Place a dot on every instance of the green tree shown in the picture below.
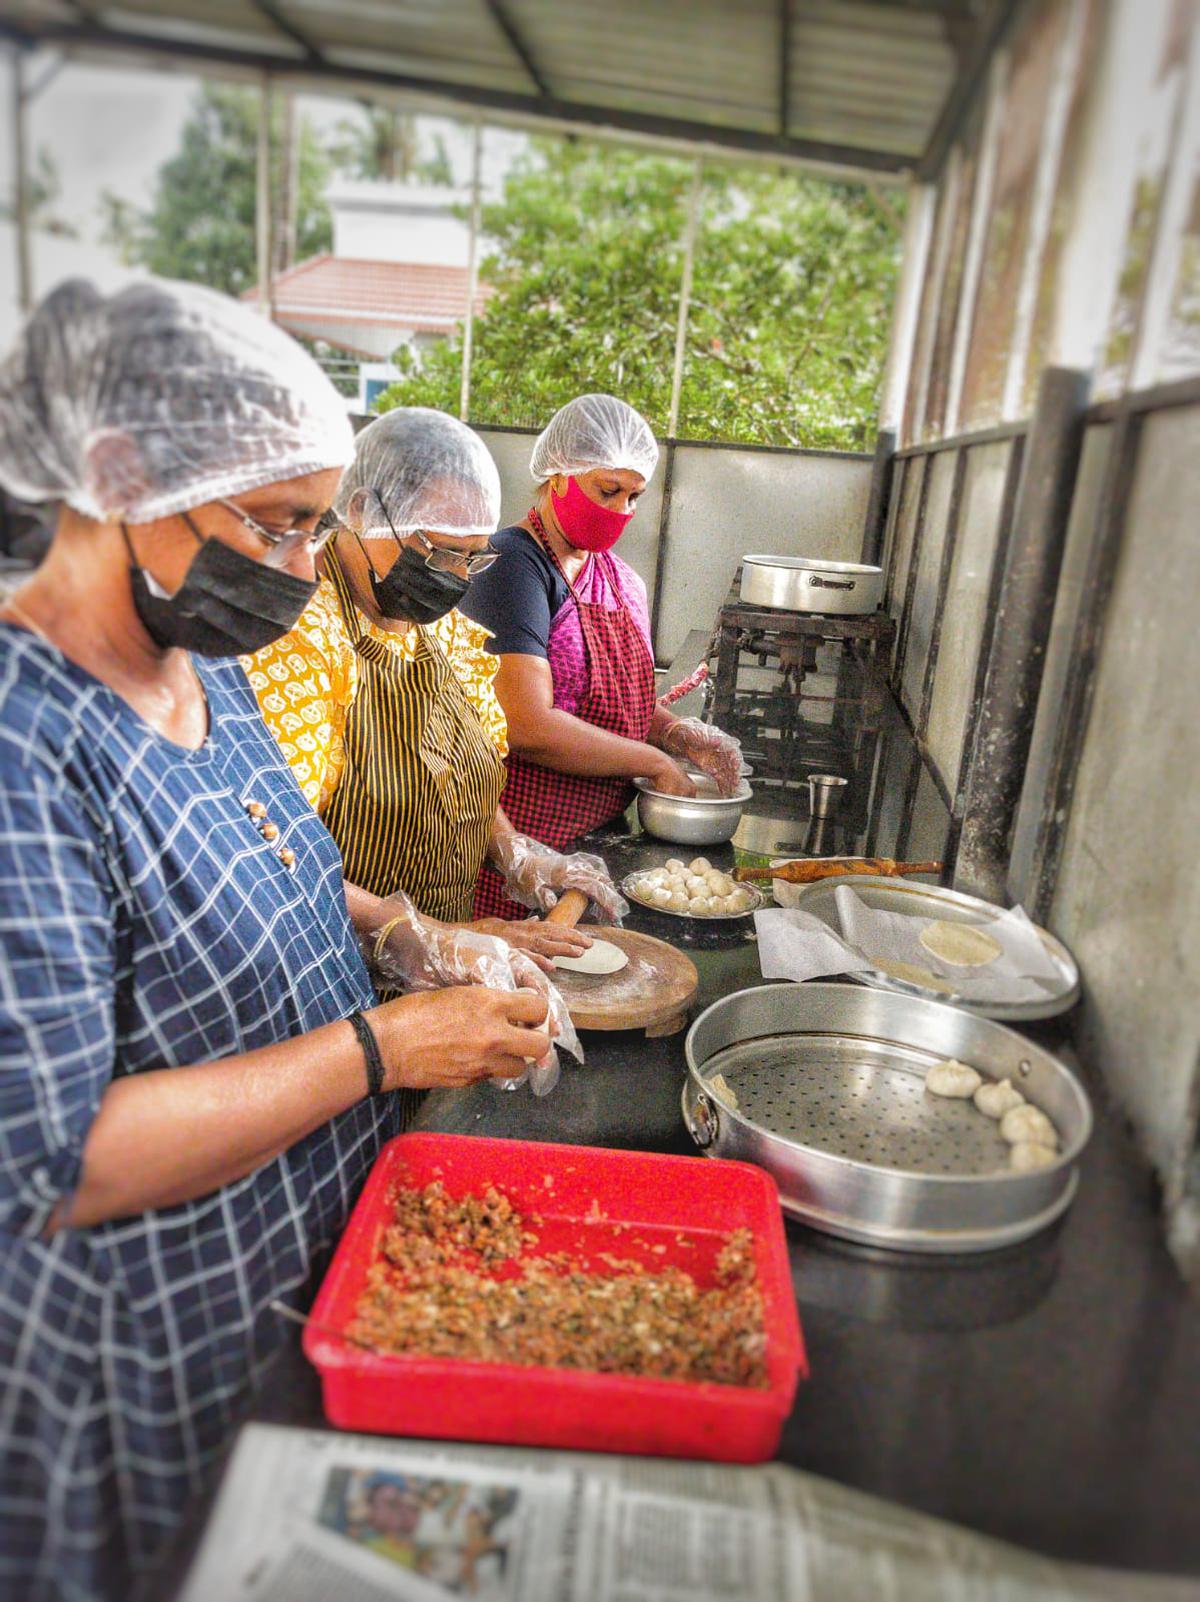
(790, 307)
(43, 190)
(382, 143)
(201, 225)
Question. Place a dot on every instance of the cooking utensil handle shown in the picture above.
(833, 868)
(568, 910)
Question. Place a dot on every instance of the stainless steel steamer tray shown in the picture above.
(829, 1081)
(948, 906)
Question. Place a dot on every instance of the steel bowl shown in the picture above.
(806, 584)
(707, 818)
(830, 1099)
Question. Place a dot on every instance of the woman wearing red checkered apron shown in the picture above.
(570, 626)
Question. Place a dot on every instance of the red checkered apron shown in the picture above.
(558, 807)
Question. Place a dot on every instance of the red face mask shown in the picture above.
(588, 526)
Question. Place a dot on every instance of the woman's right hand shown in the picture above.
(442, 1039)
(668, 778)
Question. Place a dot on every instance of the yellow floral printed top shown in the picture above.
(306, 683)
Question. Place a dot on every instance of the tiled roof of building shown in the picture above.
(410, 296)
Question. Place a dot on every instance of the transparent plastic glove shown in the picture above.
(707, 748)
(421, 954)
(536, 875)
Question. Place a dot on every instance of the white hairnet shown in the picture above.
(159, 398)
(594, 431)
(416, 468)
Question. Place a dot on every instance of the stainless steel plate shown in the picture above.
(712, 917)
(950, 906)
(829, 1083)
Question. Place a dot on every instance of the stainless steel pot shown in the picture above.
(828, 1095)
(804, 584)
(707, 818)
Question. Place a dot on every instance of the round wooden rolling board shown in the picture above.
(653, 992)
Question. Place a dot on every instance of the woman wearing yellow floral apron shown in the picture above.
(382, 696)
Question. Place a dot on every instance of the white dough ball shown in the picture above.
(724, 904)
(662, 896)
(659, 876)
(698, 906)
(674, 865)
(739, 900)
(715, 882)
(696, 885)
(995, 1098)
(700, 865)
(952, 1078)
(1027, 1123)
(726, 885)
(678, 901)
(1029, 1154)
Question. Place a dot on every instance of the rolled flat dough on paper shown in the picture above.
(914, 975)
(600, 957)
(959, 944)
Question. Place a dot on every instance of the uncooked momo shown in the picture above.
(996, 1097)
(952, 1078)
(1028, 1123)
(1027, 1155)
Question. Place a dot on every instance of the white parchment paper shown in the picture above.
(798, 945)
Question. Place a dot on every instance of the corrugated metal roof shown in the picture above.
(856, 83)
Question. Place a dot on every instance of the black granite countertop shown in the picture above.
(1048, 1394)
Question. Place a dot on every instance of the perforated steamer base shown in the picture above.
(865, 1100)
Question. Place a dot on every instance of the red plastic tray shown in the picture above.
(663, 1197)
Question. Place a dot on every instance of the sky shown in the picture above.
(113, 129)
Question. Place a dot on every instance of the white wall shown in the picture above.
(399, 222)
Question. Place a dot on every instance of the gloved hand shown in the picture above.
(422, 954)
(707, 748)
(535, 875)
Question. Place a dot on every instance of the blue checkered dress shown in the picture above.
(145, 923)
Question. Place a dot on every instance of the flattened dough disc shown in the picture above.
(959, 944)
(914, 975)
(600, 957)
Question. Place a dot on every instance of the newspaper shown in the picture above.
(308, 1516)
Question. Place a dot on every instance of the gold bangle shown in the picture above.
(381, 938)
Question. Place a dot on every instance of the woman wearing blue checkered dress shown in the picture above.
(188, 1033)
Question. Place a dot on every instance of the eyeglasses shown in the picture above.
(311, 541)
(443, 561)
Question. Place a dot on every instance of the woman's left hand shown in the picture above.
(541, 941)
(536, 875)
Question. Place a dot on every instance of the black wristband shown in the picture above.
(370, 1046)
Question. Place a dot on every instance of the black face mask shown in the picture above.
(410, 589)
(227, 605)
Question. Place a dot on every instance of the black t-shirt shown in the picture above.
(518, 597)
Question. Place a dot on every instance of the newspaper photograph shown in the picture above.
(306, 1516)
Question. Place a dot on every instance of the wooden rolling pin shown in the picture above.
(568, 909)
(831, 867)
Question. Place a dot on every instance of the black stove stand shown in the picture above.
(802, 691)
